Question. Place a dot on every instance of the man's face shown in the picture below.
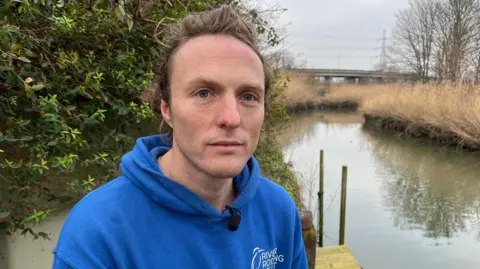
(217, 104)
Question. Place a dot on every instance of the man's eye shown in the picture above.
(249, 97)
(203, 93)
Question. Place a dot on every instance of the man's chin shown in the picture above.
(225, 170)
(226, 173)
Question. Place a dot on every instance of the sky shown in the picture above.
(344, 34)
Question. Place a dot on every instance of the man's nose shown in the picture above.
(228, 115)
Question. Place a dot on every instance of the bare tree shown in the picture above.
(281, 59)
(285, 59)
(414, 37)
(475, 59)
(455, 37)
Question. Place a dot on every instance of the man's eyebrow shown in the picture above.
(252, 86)
(211, 82)
(203, 81)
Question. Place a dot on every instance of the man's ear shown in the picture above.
(165, 108)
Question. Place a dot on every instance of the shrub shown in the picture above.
(71, 80)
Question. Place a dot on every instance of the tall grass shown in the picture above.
(302, 93)
(445, 112)
(300, 90)
(340, 93)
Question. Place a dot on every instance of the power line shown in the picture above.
(341, 52)
(384, 50)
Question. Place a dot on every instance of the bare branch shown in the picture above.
(414, 33)
(156, 33)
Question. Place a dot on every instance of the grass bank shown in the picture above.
(304, 94)
(442, 112)
(447, 113)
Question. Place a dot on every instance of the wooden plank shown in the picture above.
(337, 257)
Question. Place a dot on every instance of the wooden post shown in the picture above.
(3, 249)
(320, 203)
(343, 206)
(309, 237)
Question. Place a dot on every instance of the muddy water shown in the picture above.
(409, 204)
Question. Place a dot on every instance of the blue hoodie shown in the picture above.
(144, 219)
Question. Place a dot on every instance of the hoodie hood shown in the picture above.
(141, 168)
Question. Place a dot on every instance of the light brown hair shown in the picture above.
(223, 20)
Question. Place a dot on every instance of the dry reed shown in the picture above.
(338, 93)
(445, 112)
(300, 90)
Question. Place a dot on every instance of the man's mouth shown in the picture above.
(225, 143)
(226, 146)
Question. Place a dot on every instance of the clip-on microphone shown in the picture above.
(234, 220)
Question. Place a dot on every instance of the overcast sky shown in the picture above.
(337, 33)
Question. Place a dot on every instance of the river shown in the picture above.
(409, 204)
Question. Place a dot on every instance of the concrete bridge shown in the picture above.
(356, 76)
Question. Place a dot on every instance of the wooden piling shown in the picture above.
(3, 249)
(309, 237)
(343, 205)
(320, 203)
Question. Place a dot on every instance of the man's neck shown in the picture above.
(217, 192)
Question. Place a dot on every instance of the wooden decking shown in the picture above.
(337, 257)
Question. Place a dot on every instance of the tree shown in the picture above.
(457, 22)
(414, 37)
(475, 53)
(285, 59)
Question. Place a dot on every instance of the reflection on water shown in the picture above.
(432, 189)
(302, 126)
(409, 205)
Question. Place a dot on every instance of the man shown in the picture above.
(194, 197)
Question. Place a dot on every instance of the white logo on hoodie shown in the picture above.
(265, 259)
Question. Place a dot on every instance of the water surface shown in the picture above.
(409, 204)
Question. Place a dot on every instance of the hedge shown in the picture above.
(72, 77)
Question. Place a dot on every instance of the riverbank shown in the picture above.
(302, 94)
(345, 106)
(444, 113)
